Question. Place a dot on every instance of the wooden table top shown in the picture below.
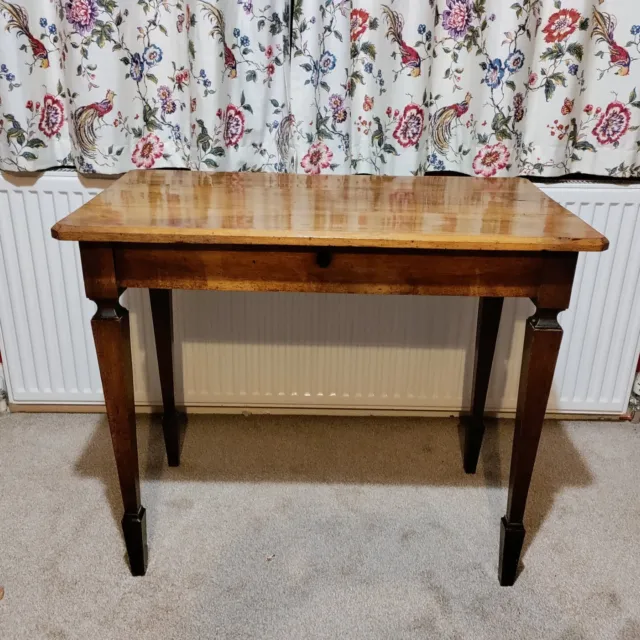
(432, 212)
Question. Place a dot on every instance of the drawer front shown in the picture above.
(508, 274)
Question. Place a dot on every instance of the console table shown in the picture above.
(491, 239)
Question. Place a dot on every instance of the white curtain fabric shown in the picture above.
(487, 88)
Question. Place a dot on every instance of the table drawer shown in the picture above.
(323, 270)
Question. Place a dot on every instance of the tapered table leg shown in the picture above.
(541, 346)
(111, 334)
(162, 314)
(489, 312)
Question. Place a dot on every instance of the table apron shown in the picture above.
(321, 270)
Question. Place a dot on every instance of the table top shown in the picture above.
(431, 212)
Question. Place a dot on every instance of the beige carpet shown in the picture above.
(294, 528)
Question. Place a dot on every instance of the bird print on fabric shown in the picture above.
(442, 121)
(85, 121)
(284, 139)
(409, 57)
(604, 26)
(218, 30)
(18, 20)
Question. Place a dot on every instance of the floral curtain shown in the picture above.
(484, 87)
(113, 85)
(488, 88)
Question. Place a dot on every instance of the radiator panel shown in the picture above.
(310, 351)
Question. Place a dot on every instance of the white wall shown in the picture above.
(311, 351)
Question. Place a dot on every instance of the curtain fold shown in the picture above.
(398, 87)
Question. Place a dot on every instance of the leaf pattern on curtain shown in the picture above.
(484, 87)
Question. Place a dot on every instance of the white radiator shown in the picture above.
(310, 351)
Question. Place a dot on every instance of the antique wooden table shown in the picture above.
(458, 236)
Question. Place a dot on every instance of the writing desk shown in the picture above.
(492, 239)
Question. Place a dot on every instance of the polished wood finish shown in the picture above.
(542, 340)
(110, 327)
(162, 315)
(431, 212)
(461, 273)
(350, 234)
(489, 312)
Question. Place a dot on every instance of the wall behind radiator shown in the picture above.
(312, 351)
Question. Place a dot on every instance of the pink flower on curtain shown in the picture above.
(491, 159)
(613, 123)
(456, 18)
(561, 25)
(318, 157)
(82, 14)
(182, 78)
(164, 93)
(147, 151)
(51, 116)
(358, 22)
(410, 126)
(567, 107)
(336, 102)
(233, 126)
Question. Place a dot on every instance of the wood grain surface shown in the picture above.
(431, 212)
(445, 273)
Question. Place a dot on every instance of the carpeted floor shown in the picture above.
(307, 527)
